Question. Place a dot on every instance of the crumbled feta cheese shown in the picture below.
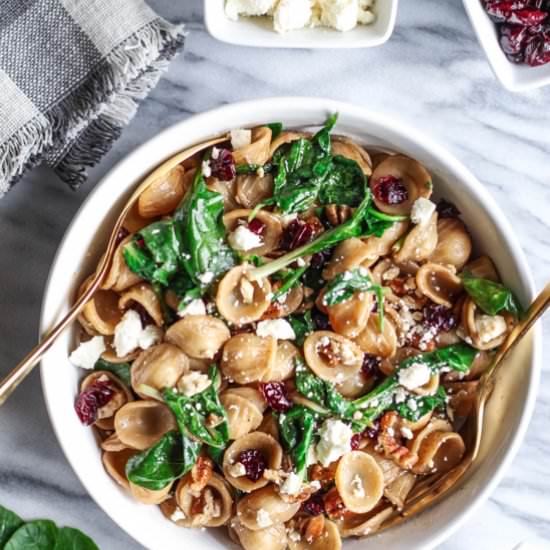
(194, 307)
(263, 519)
(414, 376)
(400, 395)
(490, 327)
(292, 485)
(288, 218)
(406, 432)
(215, 153)
(177, 514)
(244, 239)
(335, 441)
(411, 403)
(278, 328)
(366, 15)
(130, 334)
(341, 15)
(193, 383)
(237, 470)
(290, 15)
(358, 491)
(422, 211)
(294, 536)
(206, 169)
(240, 138)
(234, 8)
(87, 353)
(206, 278)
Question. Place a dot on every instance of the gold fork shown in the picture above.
(428, 491)
(22, 370)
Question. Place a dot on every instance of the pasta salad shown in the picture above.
(289, 337)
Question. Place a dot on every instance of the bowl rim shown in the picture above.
(521, 77)
(324, 105)
(274, 40)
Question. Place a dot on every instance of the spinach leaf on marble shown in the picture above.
(9, 523)
(69, 538)
(40, 534)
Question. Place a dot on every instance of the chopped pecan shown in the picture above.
(312, 528)
(201, 474)
(334, 505)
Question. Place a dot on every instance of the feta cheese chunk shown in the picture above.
(341, 15)
(237, 470)
(87, 353)
(414, 376)
(244, 239)
(206, 278)
(194, 307)
(490, 327)
(234, 8)
(193, 383)
(357, 488)
(240, 138)
(335, 441)
(263, 519)
(206, 169)
(290, 15)
(130, 335)
(422, 211)
(278, 328)
(177, 514)
(292, 485)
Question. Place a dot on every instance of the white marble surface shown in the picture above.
(433, 75)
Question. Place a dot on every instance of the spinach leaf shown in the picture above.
(276, 129)
(192, 413)
(346, 284)
(169, 459)
(40, 534)
(73, 539)
(198, 222)
(216, 455)
(9, 523)
(422, 405)
(491, 297)
(154, 252)
(121, 370)
(344, 183)
(296, 429)
(320, 391)
(302, 325)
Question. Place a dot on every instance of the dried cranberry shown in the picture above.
(515, 12)
(257, 227)
(91, 399)
(512, 38)
(355, 441)
(320, 320)
(371, 364)
(314, 505)
(223, 166)
(320, 259)
(296, 233)
(254, 463)
(390, 190)
(439, 317)
(373, 431)
(275, 395)
(121, 235)
(447, 209)
(144, 316)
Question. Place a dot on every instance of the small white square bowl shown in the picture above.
(259, 32)
(514, 77)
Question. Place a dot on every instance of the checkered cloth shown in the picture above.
(72, 73)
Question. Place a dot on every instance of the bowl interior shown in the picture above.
(83, 242)
(258, 31)
(513, 76)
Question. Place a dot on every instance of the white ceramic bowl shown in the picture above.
(258, 31)
(514, 77)
(86, 236)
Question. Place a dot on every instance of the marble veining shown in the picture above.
(433, 75)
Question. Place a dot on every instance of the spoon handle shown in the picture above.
(23, 369)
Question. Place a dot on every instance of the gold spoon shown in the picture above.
(434, 487)
(22, 370)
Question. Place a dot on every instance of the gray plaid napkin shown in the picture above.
(72, 73)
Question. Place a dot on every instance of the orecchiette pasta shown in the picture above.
(289, 339)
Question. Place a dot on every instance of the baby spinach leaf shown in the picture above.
(322, 137)
(296, 429)
(198, 222)
(491, 297)
(192, 413)
(73, 539)
(121, 370)
(216, 454)
(422, 405)
(154, 252)
(289, 281)
(276, 129)
(344, 183)
(169, 459)
(40, 534)
(9, 523)
(302, 325)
